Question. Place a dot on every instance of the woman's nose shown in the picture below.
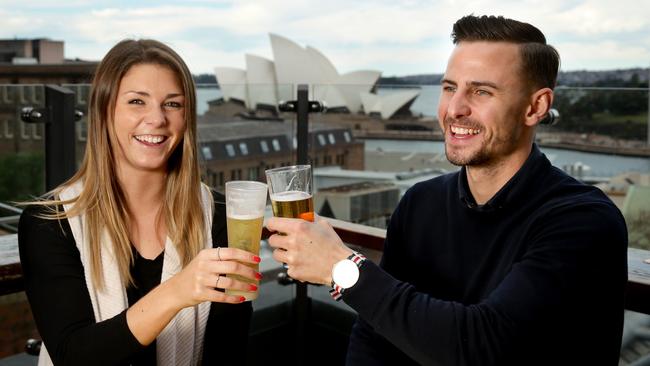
(156, 116)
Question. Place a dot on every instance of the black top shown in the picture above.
(536, 276)
(146, 275)
(57, 292)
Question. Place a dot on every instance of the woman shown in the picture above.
(122, 263)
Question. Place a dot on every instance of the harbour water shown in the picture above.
(426, 104)
(600, 165)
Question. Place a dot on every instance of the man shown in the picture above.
(508, 261)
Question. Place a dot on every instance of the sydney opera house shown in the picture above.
(265, 82)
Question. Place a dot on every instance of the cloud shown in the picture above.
(394, 36)
(602, 55)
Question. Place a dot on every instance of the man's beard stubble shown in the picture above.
(480, 157)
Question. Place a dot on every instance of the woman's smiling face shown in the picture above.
(149, 118)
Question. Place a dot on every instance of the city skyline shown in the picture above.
(395, 37)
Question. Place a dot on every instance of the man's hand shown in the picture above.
(310, 249)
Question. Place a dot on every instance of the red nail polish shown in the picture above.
(242, 299)
(258, 276)
(252, 287)
(257, 259)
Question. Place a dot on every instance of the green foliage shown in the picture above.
(639, 230)
(616, 113)
(22, 176)
(205, 79)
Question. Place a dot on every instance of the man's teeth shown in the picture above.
(464, 131)
(152, 139)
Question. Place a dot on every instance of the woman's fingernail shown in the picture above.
(257, 259)
(252, 287)
(242, 299)
(258, 275)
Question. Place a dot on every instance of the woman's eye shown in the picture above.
(136, 101)
(173, 105)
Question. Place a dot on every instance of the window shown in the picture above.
(276, 144)
(23, 130)
(346, 136)
(264, 146)
(37, 131)
(230, 150)
(207, 153)
(253, 173)
(330, 137)
(82, 130)
(220, 181)
(295, 143)
(321, 140)
(7, 94)
(327, 160)
(244, 148)
(9, 128)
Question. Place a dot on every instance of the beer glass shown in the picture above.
(290, 189)
(245, 204)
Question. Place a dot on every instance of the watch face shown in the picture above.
(345, 273)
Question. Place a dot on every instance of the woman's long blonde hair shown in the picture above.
(102, 200)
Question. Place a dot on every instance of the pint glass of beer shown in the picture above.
(245, 203)
(290, 189)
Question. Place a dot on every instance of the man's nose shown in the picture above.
(458, 106)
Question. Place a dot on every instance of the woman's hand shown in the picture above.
(204, 278)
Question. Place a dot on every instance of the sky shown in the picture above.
(396, 37)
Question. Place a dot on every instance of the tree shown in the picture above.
(22, 176)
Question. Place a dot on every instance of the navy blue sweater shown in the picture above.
(536, 276)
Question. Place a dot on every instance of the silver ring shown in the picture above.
(216, 285)
(218, 254)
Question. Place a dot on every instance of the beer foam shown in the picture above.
(289, 196)
(246, 217)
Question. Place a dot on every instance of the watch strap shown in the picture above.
(337, 291)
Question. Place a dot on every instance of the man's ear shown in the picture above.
(539, 104)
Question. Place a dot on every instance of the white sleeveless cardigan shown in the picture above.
(181, 342)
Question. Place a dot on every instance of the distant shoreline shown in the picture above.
(437, 136)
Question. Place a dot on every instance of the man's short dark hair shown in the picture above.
(540, 61)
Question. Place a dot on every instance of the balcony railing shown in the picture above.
(591, 120)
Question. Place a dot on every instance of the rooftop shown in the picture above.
(359, 187)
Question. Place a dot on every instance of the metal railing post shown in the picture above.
(59, 117)
(648, 140)
(60, 162)
(302, 302)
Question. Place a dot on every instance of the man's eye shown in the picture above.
(482, 92)
(448, 89)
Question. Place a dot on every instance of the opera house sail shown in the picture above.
(264, 83)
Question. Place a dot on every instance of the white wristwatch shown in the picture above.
(345, 274)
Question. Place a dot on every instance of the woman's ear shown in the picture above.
(540, 103)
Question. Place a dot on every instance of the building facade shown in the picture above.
(367, 203)
(41, 61)
(243, 150)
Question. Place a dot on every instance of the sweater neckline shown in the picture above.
(513, 190)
